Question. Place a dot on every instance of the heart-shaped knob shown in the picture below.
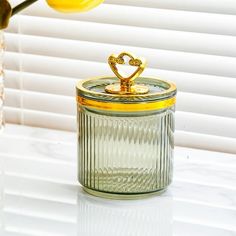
(126, 85)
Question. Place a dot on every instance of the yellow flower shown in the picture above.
(5, 13)
(68, 6)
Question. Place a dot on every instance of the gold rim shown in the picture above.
(80, 87)
(127, 107)
(123, 196)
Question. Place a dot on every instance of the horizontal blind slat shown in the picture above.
(186, 102)
(147, 18)
(40, 119)
(160, 39)
(187, 62)
(208, 6)
(206, 124)
(64, 105)
(206, 104)
(205, 141)
(226, 7)
(186, 82)
(42, 83)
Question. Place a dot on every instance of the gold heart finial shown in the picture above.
(126, 85)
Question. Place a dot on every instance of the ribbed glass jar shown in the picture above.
(125, 154)
(125, 143)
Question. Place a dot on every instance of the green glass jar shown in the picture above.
(125, 132)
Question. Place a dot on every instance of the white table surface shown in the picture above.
(40, 196)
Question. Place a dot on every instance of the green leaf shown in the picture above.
(5, 13)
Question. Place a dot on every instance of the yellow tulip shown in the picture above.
(66, 6)
(69, 6)
(5, 13)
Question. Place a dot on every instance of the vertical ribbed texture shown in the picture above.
(125, 154)
(1, 79)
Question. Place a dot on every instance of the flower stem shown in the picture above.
(22, 6)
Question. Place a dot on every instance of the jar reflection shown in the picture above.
(38, 207)
(151, 216)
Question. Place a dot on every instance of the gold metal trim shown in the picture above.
(81, 88)
(126, 85)
(127, 107)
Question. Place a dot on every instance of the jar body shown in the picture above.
(125, 153)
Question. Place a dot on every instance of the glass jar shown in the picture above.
(125, 132)
(2, 46)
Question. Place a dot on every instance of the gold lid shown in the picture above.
(133, 93)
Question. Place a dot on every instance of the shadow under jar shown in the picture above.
(125, 135)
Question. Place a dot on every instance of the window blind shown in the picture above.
(191, 43)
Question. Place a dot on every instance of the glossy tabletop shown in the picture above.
(40, 196)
